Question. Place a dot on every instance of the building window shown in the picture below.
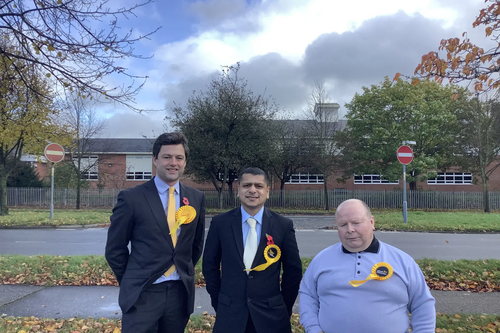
(305, 178)
(373, 179)
(88, 167)
(451, 178)
(139, 167)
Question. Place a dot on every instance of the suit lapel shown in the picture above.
(156, 206)
(267, 226)
(238, 231)
(184, 193)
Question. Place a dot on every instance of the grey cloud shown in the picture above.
(270, 75)
(278, 77)
(380, 47)
(225, 15)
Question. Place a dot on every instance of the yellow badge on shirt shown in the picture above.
(272, 253)
(381, 271)
(184, 215)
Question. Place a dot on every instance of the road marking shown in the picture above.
(31, 242)
(64, 229)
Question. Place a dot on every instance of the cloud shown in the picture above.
(284, 46)
(128, 124)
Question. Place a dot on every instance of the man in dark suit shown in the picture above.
(157, 277)
(244, 284)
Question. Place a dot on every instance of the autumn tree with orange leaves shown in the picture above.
(465, 61)
(468, 63)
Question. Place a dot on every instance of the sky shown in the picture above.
(283, 46)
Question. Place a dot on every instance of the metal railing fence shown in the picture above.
(307, 199)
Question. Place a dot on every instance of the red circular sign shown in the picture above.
(54, 152)
(405, 154)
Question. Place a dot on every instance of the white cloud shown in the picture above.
(284, 45)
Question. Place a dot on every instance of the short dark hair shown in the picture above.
(174, 138)
(254, 171)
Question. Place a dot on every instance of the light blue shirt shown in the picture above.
(163, 193)
(246, 226)
(328, 303)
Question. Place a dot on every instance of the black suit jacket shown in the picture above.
(236, 295)
(139, 218)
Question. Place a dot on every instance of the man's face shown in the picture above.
(170, 163)
(253, 192)
(355, 227)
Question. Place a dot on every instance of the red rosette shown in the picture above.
(185, 201)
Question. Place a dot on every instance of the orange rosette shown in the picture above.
(381, 271)
(184, 215)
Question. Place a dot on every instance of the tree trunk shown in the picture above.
(325, 187)
(231, 194)
(4, 210)
(219, 194)
(486, 195)
(282, 192)
(78, 193)
(413, 186)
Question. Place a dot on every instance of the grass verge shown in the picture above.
(471, 275)
(427, 221)
(204, 324)
(452, 221)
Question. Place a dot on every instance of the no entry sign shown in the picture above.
(54, 152)
(405, 154)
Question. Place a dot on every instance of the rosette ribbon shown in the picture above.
(184, 215)
(381, 271)
(272, 253)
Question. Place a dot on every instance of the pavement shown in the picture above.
(101, 302)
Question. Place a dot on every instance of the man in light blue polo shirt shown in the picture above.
(362, 284)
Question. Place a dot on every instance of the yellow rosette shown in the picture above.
(184, 215)
(381, 271)
(272, 253)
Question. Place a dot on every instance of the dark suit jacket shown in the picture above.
(236, 295)
(139, 218)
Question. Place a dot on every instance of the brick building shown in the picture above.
(124, 163)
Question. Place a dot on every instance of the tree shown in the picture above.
(26, 119)
(65, 177)
(387, 114)
(289, 151)
(465, 61)
(24, 175)
(59, 39)
(323, 133)
(228, 128)
(480, 141)
(80, 116)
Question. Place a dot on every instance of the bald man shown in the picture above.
(362, 284)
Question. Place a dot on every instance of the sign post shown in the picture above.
(54, 153)
(405, 156)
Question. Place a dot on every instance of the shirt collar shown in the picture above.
(245, 215)
(162, 187)
(373, 248)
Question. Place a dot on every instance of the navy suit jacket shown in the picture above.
(260, 294)
(139, 218)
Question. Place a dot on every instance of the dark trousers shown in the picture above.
(161, 308)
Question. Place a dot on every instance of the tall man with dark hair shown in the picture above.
(245, 250)
(164, 222)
